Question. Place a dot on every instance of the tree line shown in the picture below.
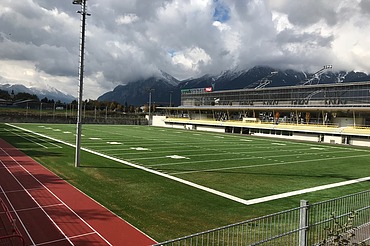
(87, 104)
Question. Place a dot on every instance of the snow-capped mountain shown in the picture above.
(51, 93)
(165, 88)
(136, 92)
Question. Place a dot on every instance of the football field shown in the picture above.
(243, 169)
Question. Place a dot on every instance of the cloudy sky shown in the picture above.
(131, 39)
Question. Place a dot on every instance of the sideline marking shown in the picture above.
(312, 189)
(201, 187)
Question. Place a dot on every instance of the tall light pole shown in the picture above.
(150, 105)
(171, 98)
(81, 78)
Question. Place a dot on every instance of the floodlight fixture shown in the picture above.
(78, 2)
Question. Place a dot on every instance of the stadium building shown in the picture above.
(331, 113)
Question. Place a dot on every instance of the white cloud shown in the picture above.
(131, 39)
(191, 59)
(126, 19)
(221, 26)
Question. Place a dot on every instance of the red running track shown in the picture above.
(49, 211)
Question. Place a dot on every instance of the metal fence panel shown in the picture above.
(309, 224)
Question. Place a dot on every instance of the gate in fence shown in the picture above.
(345, 218)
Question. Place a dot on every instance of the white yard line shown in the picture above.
(269, 164)
(248, 157)
(125, 152)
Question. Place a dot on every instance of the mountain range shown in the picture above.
(164, 88)
(50, 93)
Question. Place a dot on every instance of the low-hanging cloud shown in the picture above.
(132, 39)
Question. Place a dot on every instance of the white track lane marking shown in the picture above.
(16, 214)
(105, 240)
(29, 194)
(48, 206)
(87, 150)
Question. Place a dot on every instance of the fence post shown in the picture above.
(303, 223)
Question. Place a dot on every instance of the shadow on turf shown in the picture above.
(121, 167)
(37, 153)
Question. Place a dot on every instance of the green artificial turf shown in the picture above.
(243, 166)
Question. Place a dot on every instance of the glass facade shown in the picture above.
(355, 94)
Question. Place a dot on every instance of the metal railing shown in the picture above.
(9, 233)
(308, 224)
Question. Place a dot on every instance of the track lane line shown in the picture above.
(71, 210)
(16, 214)
(29, 194)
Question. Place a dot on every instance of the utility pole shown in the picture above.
(150, 106)
(83, 14)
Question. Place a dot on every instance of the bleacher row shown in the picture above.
(281, 126)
